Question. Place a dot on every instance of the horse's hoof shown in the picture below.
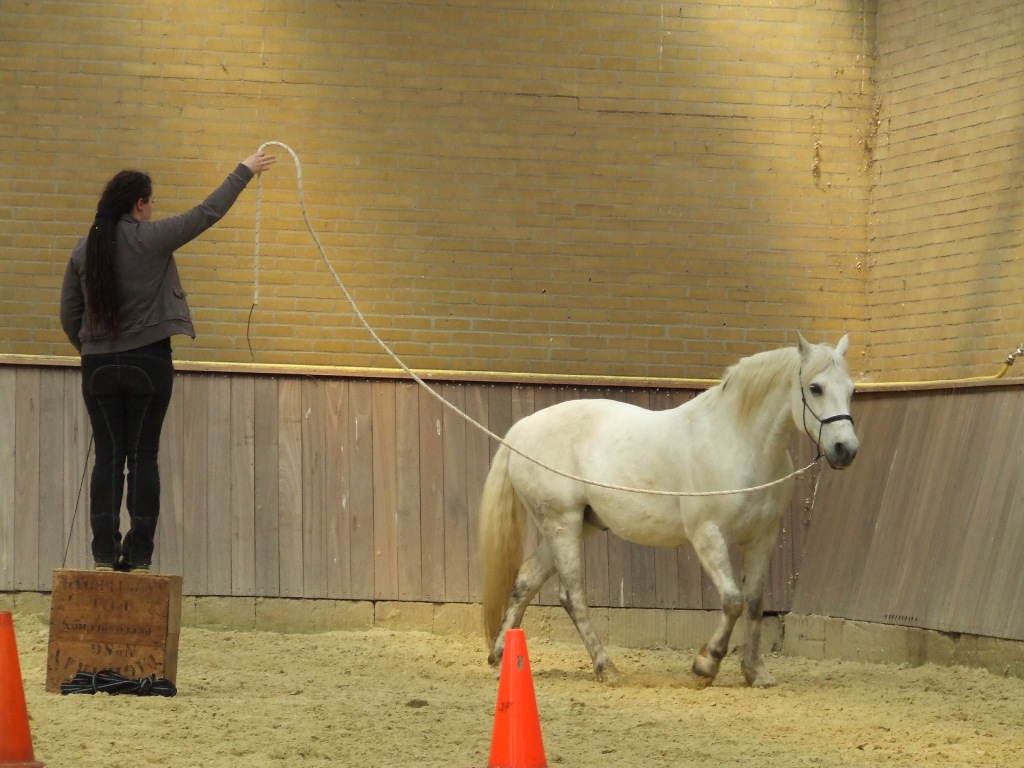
(706, 665)
(608, 674)
(494, 659)
(760, 679)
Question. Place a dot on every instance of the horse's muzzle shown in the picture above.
(841, 453)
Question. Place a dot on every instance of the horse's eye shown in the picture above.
(815, 389)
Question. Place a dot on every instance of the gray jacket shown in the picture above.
(153, 305)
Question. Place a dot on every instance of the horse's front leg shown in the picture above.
(713, 553)
(755, 571)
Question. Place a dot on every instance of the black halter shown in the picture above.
(821, 422)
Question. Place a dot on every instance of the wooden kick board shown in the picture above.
(125, 622)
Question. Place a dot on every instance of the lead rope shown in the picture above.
(412, 374)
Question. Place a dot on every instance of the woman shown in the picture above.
(120, 304)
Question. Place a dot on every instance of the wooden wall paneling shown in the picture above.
(26, 480)
(289, 457)
(987, 596)
(314, 489)
(978, 600)
(432, 518)
(218, 488)
(900, 550)
(8, 473)
(52, 438)
(385, 470)
(793, 535)
(954, 492)
(243, 485)
(78, 453)
(456, 501)
(337, 488)
(266, 488)
(409, 551)
(845, 510)
(499, 415)
(195, 471)
(476, 467)
(778, 594)
(169, 544)
(361, 502)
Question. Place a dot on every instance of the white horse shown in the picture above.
(733, 436)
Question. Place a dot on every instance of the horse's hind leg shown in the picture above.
(534, 571)
(568, 554)
(713, 553)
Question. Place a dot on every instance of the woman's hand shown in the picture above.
(259, 162)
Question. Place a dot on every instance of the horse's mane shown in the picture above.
(750, 380)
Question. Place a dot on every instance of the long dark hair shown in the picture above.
(101, 297)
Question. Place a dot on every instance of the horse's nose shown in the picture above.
(843, 453)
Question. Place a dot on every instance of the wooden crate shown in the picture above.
(125, 622)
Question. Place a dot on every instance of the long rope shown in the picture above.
(412, 374)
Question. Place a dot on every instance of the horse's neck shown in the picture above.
(756, 393)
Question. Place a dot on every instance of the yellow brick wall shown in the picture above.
(612, 187)
(947, 201)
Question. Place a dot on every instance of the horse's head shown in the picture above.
(821, 408)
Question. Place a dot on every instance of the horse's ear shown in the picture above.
(843, 345)
(802, 344)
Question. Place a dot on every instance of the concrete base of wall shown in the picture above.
(812, 637)
(824, 637)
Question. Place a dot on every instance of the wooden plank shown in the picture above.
(992, 518)
(499, 414)
(456, 502)
(431, 468)
(476, 467)
(361, 496)
(169, 544)
(195, 473)
(844, 513)
(337, 487)
(266, 488)
(78, 452)
(218, 487)
(243, 486)
(385, 469)
(409, 547)
(289, 468)
(28, 470)
(8, 474)
(314, 490)
(51, 492)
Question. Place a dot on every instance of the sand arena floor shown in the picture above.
(382, 698)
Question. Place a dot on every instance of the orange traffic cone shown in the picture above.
(516, 742)
(15, 739)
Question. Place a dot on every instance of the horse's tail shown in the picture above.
(501, 532)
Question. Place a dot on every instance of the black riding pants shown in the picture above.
(127, 395)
